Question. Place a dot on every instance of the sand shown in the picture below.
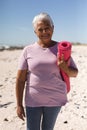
(73, 115)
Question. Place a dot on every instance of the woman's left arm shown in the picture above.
(69, 70)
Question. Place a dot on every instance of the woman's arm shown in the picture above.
(63, 65)
(20, 84)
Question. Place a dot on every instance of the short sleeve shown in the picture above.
(72, 63)
(22, 64)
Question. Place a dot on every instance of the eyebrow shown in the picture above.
(46, 28)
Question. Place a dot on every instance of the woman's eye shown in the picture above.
(40, 30)
(45, 29)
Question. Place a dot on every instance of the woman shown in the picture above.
(39, 68)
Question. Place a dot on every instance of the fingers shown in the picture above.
(21, 116)
(60, 60)
(62, 64)
(20, 112)
(62, 57)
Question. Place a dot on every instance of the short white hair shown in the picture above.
(42, 16)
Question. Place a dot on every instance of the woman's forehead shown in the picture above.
(43, 23)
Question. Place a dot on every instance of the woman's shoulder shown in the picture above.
(29, 47)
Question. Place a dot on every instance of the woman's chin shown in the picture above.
(46, 40)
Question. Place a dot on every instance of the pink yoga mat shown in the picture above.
(64, 47)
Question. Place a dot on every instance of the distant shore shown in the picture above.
(8, 47)
(19, 47)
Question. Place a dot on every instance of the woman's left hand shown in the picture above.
(62, 64)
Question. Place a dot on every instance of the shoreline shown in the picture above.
(6, 47)
(19, 47)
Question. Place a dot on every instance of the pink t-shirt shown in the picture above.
(44, 85)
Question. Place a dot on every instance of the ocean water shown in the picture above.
(11, 46)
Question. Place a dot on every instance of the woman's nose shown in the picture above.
(44, 30)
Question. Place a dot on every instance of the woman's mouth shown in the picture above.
(45, 36)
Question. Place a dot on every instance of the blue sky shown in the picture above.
(69, 16)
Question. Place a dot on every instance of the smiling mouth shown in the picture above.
(45, 36)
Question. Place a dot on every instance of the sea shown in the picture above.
(13, 46)
(9, 46)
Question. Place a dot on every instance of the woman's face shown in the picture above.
(44, 31)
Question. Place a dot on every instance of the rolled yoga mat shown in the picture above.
(64, 48)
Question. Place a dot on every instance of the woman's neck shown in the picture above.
(48, 44)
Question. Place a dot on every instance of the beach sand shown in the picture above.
(73, 115)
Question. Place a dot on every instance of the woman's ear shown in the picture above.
(34, 31)
(53, 27)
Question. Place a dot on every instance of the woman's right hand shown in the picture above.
(20, 112)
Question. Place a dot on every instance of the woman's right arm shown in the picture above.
(20, 84)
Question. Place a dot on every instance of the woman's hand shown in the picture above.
(62, 64)
(20, 112)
